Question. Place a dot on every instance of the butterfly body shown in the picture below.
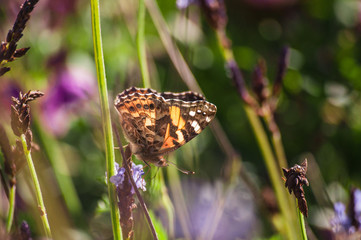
(158, 123)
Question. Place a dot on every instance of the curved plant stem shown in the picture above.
(39, 196)
(141, 201)
(142, 56)
(276, 140)
(178, 196)
(302, 224)
(272, 169)
(61, 170)
(167, 204)
(107, 127)
(10, 218)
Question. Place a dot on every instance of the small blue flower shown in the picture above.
(137, 176)
(118, 178)
(138, 172)
(341, 221)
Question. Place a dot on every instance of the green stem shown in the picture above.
(39, 196)
(10, 218)
(61, 170)
(168, 206)
(105, 111)
(179, 201)
(272, 169)
(266, 150)
(302, 224)
(276, 140)
(142, 56)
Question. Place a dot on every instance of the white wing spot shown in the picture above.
(199, 111)
(208, 119)
(192, 113)
(196, 126)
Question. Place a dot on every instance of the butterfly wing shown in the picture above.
(187, 115)
(137, 116)
(158, 123)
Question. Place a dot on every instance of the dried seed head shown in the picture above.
(295, 179)
(20, 114)
(8, 50)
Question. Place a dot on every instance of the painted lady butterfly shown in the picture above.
(159, 123)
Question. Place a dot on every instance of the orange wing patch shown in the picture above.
(174, 114)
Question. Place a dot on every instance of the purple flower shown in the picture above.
(118, 178)
(356, 203)
(138, 172)
(8, 88)
(341, 222)
(69, 93)
(183, 4)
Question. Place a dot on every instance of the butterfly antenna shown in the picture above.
(182, 170)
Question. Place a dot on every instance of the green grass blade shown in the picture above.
(105, 111)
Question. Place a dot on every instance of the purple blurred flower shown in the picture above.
(59, 10)
(8, 88)
(71, 89)
(341, 222)
(237, 217)
(183, 4)
(357, 206)
(346, 224)
(138, 172)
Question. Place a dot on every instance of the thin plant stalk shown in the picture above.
(10, 217)
(142, 55)
(302, 224)
(276, 140)
(140, 199)
(272, 169)
(266, 150)
(168, 206)
(279, 151)
(61, 170)
(39, 196)
(180, 204)
(105, 112)
(141, 49)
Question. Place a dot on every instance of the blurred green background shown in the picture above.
(318, 110)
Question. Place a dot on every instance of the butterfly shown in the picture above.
(159, 123)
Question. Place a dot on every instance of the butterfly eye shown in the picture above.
(151, 106)
(146, 106)
(139, 106)
(131, 109)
